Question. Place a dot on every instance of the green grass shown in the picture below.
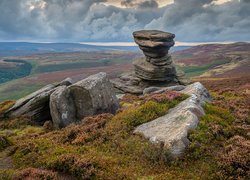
(198, 70)
(76, 64)
(15, 89)
(22, 69)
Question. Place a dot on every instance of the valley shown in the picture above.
(206, 61)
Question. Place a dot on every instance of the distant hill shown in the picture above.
(215, 59)
(25, 48)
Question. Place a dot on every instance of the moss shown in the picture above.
(4, 142)
(104, 146)
(6, 174)
(4, 106)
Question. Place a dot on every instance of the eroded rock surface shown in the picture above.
(172, 129)
(156, 68)
(36, 105)
(93, 95)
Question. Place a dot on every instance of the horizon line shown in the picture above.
(127, 44)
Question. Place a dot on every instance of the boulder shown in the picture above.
(172, 129)
(91, 96)
(36, 105)
(62, 107)
(37, 108)
(199, 90)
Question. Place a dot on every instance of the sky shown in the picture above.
(115, 20)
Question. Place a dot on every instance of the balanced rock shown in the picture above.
(156, 69)
(91, 96)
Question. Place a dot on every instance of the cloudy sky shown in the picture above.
(115, 20)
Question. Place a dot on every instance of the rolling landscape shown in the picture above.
(124, 90)
(20, 75)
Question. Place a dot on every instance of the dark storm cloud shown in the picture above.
(90, 20)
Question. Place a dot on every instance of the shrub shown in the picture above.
(4, 106)
(35, 174)
(234, 160)
(15, 123)
(88, 130)
(4, 142)
(167, 96)
(77, 166)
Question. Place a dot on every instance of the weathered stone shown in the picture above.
(91, 96)
(166, 60)
(150, 90)
(66, 82)
(153, 35)
(147, 71)
(162, 89)
(156, 69)
(172, 129)
(62, 107)
(37, 108)
(36, 105)
(181, 78)
(153, 43)
(128, 83)
(19, 103)
(199, 90)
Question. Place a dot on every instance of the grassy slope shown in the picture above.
(104, 146)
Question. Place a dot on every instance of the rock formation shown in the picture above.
(65, 103)
(36, 105)
(171, 130)
(156, 69)
(93, 95)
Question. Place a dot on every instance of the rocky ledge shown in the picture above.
(171, 130)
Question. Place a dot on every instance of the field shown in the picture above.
(199, 61)
(53, 67)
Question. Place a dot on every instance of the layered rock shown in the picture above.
(172, 129)
(157, 68)
(65, 103)
(93, 95)
(36, 105)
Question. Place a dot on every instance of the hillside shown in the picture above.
(205, 60)
(215, 59)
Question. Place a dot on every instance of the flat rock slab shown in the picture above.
(172, 129)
